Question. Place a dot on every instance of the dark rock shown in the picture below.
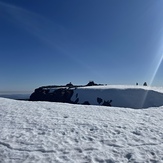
(145, 84)
(63, 93)
(59, 95)
(70, 85)
(107, 103)
(91, 83)
(76, 101)
(86, 103)
(99, 100)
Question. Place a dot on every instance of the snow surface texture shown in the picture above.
(47, 132)
(121, 96)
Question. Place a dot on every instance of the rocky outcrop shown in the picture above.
(66, 94)
(105, 95)
(91, 83)
(52, 95)
(62, 93)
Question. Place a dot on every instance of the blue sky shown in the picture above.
(61, 41)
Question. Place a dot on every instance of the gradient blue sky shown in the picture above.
(58, 41)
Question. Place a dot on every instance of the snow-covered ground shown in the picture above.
(44, 132)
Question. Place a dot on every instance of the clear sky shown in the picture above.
(60, 41)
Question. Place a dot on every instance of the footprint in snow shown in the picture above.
(128, 156)
(65, 116)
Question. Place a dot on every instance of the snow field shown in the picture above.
(54, 132)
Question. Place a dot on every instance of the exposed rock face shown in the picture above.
(56, 95)
(64, 94)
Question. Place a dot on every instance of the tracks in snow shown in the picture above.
(26, 150)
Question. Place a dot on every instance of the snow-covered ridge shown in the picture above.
(44, 132)
(121, 96)
(158, 89)
(107, 95)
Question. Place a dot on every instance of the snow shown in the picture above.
(47, 132)
(122, 96)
